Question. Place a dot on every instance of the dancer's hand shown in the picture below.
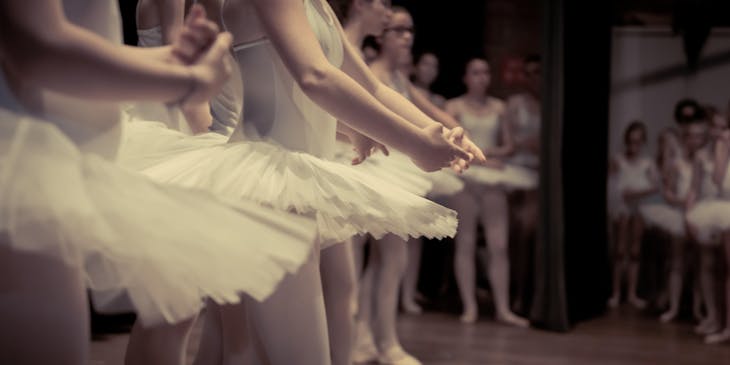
(365, 146)
(197, 116)
(209, 72)
(493, 163)
(458, 136)
(196, 36)
(436, 151)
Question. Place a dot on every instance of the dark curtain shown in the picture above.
(128, 10)
(549, 309)
(572, 264)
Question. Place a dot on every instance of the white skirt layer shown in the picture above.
(665, 217)
(708, 219)
(388, 169)
(509, 177)
(346, 202)
(443, 182)
(168, 247)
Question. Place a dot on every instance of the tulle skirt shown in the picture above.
(708, 219)
(345, 201)
(168, 247)
(665, 217)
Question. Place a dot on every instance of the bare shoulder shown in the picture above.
(497, 104)
(453, 105)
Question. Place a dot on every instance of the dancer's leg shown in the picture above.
(43, 311)
(340, 287)
(495, 220)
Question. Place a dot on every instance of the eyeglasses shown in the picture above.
(401, 30)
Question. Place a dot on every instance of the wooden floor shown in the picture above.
(621, 338)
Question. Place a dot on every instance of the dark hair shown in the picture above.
(420, 55)
(695, 114)
(399, 9)
(370, 42)
(472, 59)
(634, 126)
(532, 58)
(341, 9)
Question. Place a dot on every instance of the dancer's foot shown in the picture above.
(637, 302)
(364, 350)
(707, 327)
(717, 338)
(613, 302)
(512, 319)
(411, 307)
(668, 316)
(397, 356)
(470, 315)
(697, 308)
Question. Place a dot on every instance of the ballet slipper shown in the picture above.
(718, 338)
(469, 316)
(707, 327)
(613, 302)
(364, 350)
(637, 302)
(668, 316)
(411, 307)
(513, 320)
(395, 355)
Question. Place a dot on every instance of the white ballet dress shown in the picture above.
(668, 217)
(170, 248)
(280, 160)
(631, 176)
(484, 130)
(524, 111)
(710, 216)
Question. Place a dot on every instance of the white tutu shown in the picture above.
(383, 167)
(709, 219)
(399, 170)
(346, 202)
(510, 177)
(443, 182)
(665, 217)
(168, 247)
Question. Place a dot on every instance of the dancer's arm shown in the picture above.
(286, 25)
(172, 13)
(669, 184)
(695, 183)
(531, 142)
(39, 45)
(362, 145)
(354, 66)
(721, 155)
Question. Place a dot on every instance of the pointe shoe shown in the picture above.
(397, 356)
(613, 302)
(717, 338)
(668, 316)
(513, 320)
(637, 302)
